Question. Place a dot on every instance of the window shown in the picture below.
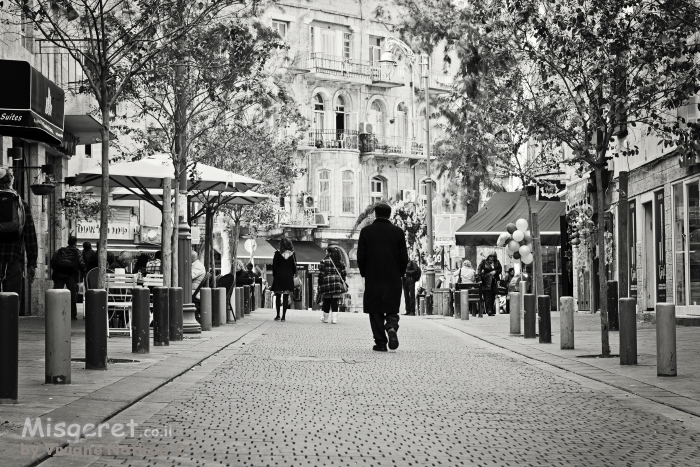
(679, 242)
(401, 121)
(376, 117)
(423, 190)
(281, 28)
(346, 46)
(348, 192)
(328, 44)
(377, 190)
(375, 50)
(341, 116)
(319, 113)
(88, 150)
(324, 191)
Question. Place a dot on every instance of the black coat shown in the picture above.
(382, 257)
(283, 271)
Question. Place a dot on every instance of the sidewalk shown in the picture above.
(95, 396)
(681, 392)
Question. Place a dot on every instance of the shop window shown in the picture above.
(679, 237)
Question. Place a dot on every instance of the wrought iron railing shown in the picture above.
(331, 139)
(339, 66)
(437, 81)
(60, 67)
(391, 145)
(389, 72)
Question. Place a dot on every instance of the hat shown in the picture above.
(382, 210)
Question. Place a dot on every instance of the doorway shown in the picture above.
(649, 269)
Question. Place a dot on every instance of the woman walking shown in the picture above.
(331, 283)
(284, 268)
(490, 271)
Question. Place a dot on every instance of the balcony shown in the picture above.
(333, 67)
(388, 75)
(60, 67)
(437, 82)
(392, 145)
(330, 139)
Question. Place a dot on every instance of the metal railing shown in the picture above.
(331, 139)
(389, 72)
(339, 66)
(391, 145)
(60, 67)
(437, 81)
(303, 217)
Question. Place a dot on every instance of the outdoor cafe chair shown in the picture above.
(119, 288)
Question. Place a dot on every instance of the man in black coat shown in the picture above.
(382, 257)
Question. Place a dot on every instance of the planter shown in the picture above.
(42, 189)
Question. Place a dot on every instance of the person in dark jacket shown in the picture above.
(66, 264)
(331, 283)
(412, 276)
(88, 253)
(490, 270)
(382, 257)
(284, 268)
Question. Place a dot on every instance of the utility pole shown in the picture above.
(430, 269)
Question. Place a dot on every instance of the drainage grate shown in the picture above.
(109, 360)
(598, 356)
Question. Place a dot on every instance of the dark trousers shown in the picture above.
(381, 323)
(11, 277)
(70, 283)
(330, 303)
(489, 297)
(409, 294)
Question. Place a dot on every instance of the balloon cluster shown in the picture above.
(517, 240)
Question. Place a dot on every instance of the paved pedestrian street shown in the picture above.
(304, 393)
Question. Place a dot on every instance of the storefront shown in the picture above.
(686, 247)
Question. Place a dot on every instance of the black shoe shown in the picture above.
(393, 339)
(282, 318)
(379, 347)
(277, 318)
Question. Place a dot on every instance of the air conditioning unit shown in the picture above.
(365, 128)
(408, 196)
(150, 234)
(321, 219)
(309, 202)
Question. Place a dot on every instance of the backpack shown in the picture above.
(12, 214)
(66, 262)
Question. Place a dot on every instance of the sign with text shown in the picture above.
(117, 230)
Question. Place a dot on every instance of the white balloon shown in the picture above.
(521, 224)
(513, 246)
(524, 250)
(527, 259)
(518, 236)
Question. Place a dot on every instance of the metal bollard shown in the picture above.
(246, 299)
(222, 304)
(464, 304)
(421, 306)
(666, 357)
(258, 296)
(457, 304)
(481, 305)
(544, 318)
(9, 347)
(215, 297)
(57, 333)
(530, 304)
(515, 313)
(161, 315)
(239, 303)
(613, 317)
(566, 322)
(205, 308)
(175, 320)
(96, 329)
(628, 331)
(140, 320)
(523, 292)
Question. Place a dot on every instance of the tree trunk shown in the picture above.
(600, 210)
(176, 229)
(167, 233)
(104, 193)
(472, 209)
(538, 280)
(236, 234)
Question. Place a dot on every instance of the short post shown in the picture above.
(421, 306)
(457, 302)
(9, 347)
(544, 316)
(523, 291)
(566, 323)
(481, 306)
(57, 333)
(175, 319)
(205, 308)
(140, 320)
(96, 329)
(464, 304)
(222, 304)
(530, 302)
(161, 315)
(246, 299)
(239, 303)
(628, 331)
(215, 321)
(613, 317)
(515, 313)
(258, 296)
(666, 358)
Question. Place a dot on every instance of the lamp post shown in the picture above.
(430, 269)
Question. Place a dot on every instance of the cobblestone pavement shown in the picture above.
(306, 393)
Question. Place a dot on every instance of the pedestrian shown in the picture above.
(331, 283)
(489, 272)
(382, 258)
(412, 276)
(66, 263)
(466, 274)
(17, 237)
(92, 262)
(88, 253)
(124, 259)
(198, 273)
(155, 266)
(141, 264)
(284, 273)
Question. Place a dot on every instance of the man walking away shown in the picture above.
(382, 258)
(409, 287)
(17, 236)
(66, 263)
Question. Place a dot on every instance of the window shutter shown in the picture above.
(353, 124)
(338, 43)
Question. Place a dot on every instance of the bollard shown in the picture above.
(9, 347)
(58, 340)
(161, 315)
(246, 299)
(222, 304)
(515, 313)
(258, 296)
(175, 296)
(481, 305)
(666, 358)
(457, 301)
(239, 302)
(529, 320)
(566, 322)
(464, 304)
(96, 329)
(544, 318)
(523, 292)
(421, 306)
(613, 317)
(628, 331)
(215, 297)
(205, 308)
(140, 320)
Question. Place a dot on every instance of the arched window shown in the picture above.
(342, 116)
(376, 117)
(377, 189)
(348, 192)
(319, 113)
(401, 123)
(324, 190)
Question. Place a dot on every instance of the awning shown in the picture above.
(503, 208)
(31, 106)
(309, 252)
(264, 252)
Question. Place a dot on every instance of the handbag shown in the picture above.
(345, 285)
(297, 279)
